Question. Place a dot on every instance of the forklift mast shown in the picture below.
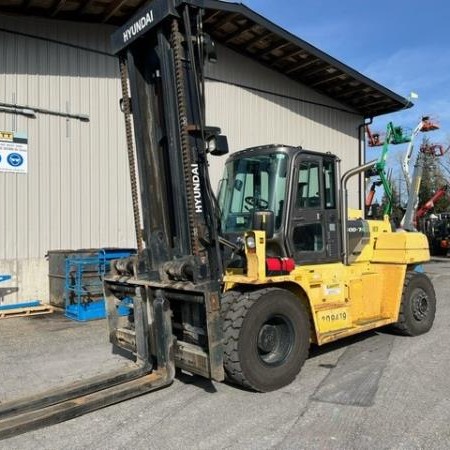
(179, 271)
(164, 50)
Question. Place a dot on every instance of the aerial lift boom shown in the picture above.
(409, 220)
(429, 204)
(394, 135)
(425, 125)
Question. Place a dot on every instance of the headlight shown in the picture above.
(250, 242)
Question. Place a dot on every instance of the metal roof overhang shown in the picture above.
(243, 30)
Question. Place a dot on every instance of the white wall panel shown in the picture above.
(269, 112)
(73, 195)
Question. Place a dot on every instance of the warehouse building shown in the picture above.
(59, 92)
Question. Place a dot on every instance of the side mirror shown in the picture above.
(264, 220)
(218, 145)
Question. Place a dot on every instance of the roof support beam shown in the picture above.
(228, 18)
(327, 80)
(277, 46)
(237, 34)
(56, 7)
(376, 102)
(302, 65)
(300, 52)
(256, 39)
(322, 68)
(113, 8)
(84, 5)
(355, 90)
(211, 17)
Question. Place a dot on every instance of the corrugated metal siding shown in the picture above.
(76, 193)
(251, 117)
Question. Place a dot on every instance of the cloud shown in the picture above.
(412, 69)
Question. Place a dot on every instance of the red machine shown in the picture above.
(374, 139)
(433, 149)
(436, 227)
(422, 211)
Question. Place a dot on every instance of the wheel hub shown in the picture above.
(268, 338)
(420, 305)
(275, 340)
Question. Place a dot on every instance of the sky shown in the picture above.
(403, 45)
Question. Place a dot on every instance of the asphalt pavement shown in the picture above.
(373, 391)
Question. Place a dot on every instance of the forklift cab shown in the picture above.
(297, 187)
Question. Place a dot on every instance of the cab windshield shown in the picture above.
(252, 183)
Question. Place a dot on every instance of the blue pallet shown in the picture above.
(30, 304)
(86, 311)
(83, 312)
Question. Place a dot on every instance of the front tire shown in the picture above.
(418, 306)
(266, 339)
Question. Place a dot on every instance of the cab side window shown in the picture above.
(308, 237)
(308, 187)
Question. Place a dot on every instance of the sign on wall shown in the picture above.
(13, 152)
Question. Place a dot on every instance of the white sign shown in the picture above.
(13, 152)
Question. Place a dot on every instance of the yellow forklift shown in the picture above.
(236, 288)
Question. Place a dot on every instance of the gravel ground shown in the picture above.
(376, 390)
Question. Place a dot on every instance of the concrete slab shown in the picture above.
(372, 391)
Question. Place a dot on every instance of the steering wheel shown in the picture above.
(256, 202)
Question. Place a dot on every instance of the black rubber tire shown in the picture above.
(418, 306)
(245, 323)
(226, 300)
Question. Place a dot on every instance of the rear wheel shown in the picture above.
(418, 306)
(266, 339)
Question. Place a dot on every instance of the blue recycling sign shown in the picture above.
(13, 152)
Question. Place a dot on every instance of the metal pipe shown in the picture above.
(408, 220)
(361, 159)
(24, 112)
(31, 111)
(344, 204)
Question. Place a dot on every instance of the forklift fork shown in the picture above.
(67, 402)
